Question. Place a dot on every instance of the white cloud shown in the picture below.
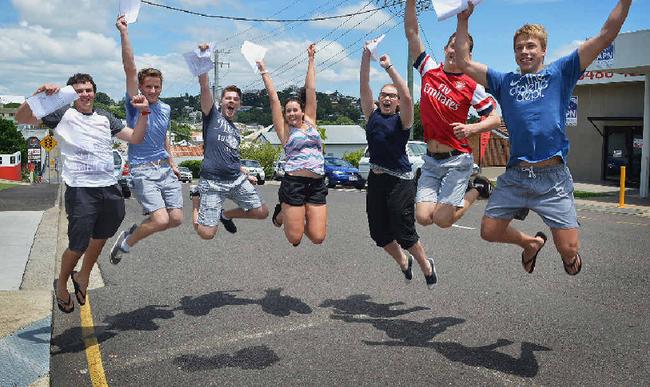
(563, 50)
(67, 15)
(364, 22)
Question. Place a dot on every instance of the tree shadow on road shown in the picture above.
(251, 358)
(359, 304)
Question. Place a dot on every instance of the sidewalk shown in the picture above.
(607, 203)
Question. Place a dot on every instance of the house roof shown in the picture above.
(334, 134)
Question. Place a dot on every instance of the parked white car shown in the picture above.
(254, 168)
(415, 150)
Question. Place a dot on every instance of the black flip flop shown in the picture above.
(62, 304)
(577, 259)
(276, 212)
(81, 296)
(525, 262)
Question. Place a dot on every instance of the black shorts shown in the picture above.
(390, 205)
(299, 190)
(93, 212)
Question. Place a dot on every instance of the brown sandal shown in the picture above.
(525, 262)
(577, 260)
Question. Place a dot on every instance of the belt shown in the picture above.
(545, 163)
(155, 163)
(444, 155)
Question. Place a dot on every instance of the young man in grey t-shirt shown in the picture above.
(222, 176)
(93, 200)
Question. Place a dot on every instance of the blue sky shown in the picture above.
(48, 40)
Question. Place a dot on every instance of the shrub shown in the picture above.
(193, 165)
(354, 157)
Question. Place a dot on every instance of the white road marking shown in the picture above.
(463, 227)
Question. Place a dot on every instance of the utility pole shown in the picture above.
(409, 80)
(217, 65)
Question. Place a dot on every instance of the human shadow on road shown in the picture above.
(251, 358)
(272, 303)
(358, 304)
(408, 333)
(141, 319)
(72, 339)
(32, 335)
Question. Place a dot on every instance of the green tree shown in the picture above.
(12, 105)
(418, 131)
(103, 98)
(181, 131)
(193, 165)
(11, 140)
(354, 157)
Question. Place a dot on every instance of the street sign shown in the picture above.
(33, 143)
(48, 142)
(34, 154)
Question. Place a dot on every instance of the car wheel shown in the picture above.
(361, 186)
(328, 182)
(418, 173)
(260, 181)
(126, 192)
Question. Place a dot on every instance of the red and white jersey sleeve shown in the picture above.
(445, 99)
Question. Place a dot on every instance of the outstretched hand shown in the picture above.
(311, 50)
(384, 61)
(140, 102)
(261, 67)
(466, 13)
(121, 24)
(462, 130)
(203, 47)
(48, 88)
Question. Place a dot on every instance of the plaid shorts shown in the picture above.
(215, 192)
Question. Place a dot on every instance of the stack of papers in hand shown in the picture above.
(372, 46)
(200, 62)
(253, 54)
(448, 8)
(43, 104)
(130, 9)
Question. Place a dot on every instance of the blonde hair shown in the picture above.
(536, 31)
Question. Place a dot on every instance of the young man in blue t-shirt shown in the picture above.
(534, 104)
(154, 174)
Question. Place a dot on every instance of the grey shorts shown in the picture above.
(155, 186)
(445, 181)
(548, 191)
(214, 192)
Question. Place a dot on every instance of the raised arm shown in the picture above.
(204, 82)
(405, 100)
(462, 130)
(589, 50)
(24, 114)
(412, 31)
(128, 61)
(274, 101)
(476, 70)
(367, 102)
(310, 86)
(136, 135)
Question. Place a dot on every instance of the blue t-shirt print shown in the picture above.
(534, 108)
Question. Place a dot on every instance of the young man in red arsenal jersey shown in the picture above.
(445, 191)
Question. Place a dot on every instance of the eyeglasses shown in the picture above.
(388, 95)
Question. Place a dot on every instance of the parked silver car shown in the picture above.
(186, 174)
(254, 168)
(121, 172)
(415, 150)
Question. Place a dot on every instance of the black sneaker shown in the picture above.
(408, 273)
(276, 212)
(116, 250)
(483, 186)
(432, 280)
(228, 224)
(194, 191)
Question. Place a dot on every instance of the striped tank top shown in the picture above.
(304, 150)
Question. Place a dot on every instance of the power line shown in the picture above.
(321, 18)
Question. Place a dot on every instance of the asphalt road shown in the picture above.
(250, 309)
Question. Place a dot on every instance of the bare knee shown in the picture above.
(423, 220)
(175, 220)
(206, 233)
(488, 233)
(442, 222)
(567, 249)
(317, 240)
(260, 212)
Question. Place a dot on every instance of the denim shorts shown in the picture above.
(445, 181)
(156, 186)
(215, 192)
(548, 191)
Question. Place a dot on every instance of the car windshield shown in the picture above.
(183, 169)
(338, 163)
(417, 149)
(251, 163)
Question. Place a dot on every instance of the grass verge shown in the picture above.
(6, 185)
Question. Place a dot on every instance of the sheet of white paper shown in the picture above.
(372, 46)
(253, 53)
(448, 8)
(199, 62)
(130, 9)
(42, 104)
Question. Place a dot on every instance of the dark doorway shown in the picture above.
(622, 147)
